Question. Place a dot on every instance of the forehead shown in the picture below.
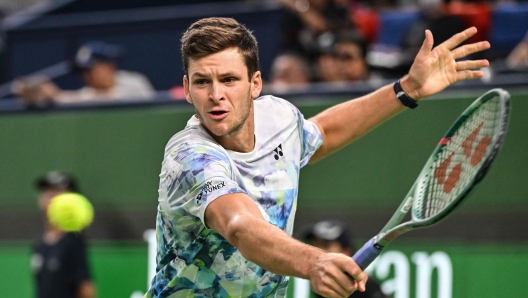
(348, 47)
(228, 60)
(51, 191)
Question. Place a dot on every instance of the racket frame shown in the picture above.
(393, 228)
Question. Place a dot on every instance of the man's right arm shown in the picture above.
(238, 219)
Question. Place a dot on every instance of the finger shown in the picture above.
(331, 289)
(356, 274)
(471, 64)
(339, 279)
(469, 49)
(427, 45)
(343, 284)
(469, 74)
(331, 294)
(459, 38)
(326, 292)
(362, 286)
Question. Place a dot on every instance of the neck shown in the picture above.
(244, 145)
(239, 141)
(52, 234)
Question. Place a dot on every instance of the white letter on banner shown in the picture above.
(398, 286)
(424, 270)
(423, 274)
(442, 262)
(150, 237)
(301, 288)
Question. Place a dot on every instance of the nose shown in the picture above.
(216, 93)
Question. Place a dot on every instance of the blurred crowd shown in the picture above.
(320, 41)
(337, 40)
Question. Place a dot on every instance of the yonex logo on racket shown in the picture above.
(473, 153)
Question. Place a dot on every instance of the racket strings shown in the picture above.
(459, 160)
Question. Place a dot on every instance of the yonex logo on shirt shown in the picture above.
(209, 187)
(278, 152)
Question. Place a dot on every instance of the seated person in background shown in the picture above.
(518, 58)
(290, 70)
(333, 236)
(97, 63)
(308, 25)
(327, 66)
(351, 51)
(346, 61)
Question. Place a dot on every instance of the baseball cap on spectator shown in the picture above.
(92, 52)
(331, 230)
(58, 180)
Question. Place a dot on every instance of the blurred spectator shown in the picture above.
(289, 70)
(333, 236)
(59, 261)
(309, 26)
(346, 62)
(432, 17)
(351, 50)
(518, 58)
(327, 67)
(96, 62)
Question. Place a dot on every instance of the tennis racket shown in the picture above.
(458, 163)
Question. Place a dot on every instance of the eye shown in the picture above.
(200, 82)
(229, 80)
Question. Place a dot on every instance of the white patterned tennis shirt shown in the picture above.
(194, 261)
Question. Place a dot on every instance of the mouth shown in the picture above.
(218, 114)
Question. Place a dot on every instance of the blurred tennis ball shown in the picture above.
(70, 212)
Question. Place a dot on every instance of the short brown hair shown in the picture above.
(213, 35)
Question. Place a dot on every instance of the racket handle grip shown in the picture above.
(367, 254)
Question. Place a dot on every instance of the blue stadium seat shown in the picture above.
(509, 25)
(394, 24)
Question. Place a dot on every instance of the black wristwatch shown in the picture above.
(403, 97)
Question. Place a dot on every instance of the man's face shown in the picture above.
(100, 76)
(328, 68)
(354, 66)
(218, 87)
(46, 195)
(289, 71)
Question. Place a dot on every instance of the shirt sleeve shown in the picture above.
(192, 178)
(311, 138)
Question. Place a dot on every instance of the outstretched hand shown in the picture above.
(435, 69)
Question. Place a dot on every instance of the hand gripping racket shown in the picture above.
(458, 163)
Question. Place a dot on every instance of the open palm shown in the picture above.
(435, 69)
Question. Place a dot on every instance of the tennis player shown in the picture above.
(229, 181)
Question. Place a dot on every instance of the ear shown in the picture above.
(186, 89)
(256, 84)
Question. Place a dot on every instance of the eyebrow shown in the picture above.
(222, 75)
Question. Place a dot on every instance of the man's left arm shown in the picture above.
(433, 70)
